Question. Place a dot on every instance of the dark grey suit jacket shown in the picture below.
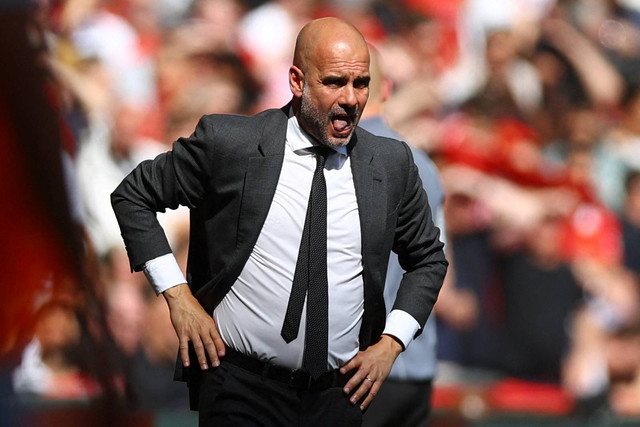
(227, 172)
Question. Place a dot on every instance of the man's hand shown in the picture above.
(194, 324)
(373, 366)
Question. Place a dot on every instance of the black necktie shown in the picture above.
(310, 277)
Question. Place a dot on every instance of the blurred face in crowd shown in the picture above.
(330, 80)
(126, 127)
(57, 329)
(583, 127)
(544, 240)
(632, 200)
(501, 48)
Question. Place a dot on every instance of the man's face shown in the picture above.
(335, 91)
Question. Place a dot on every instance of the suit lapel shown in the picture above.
(371, 195)
(371, 191)
(261, 179)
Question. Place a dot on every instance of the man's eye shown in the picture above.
(334, 82)
(361, 83)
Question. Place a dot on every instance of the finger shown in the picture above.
(362, 380)
(184, 350)
(356, 379)
(217, 341)
(352, 364)
(373, 392)
(361, 391)
(210, 348)
(215, 346)
(200, 352)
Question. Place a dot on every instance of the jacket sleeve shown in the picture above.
(177, 177)
(420, 251)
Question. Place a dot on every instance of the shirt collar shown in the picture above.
(298, 139)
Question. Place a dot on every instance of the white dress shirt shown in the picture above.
(251, 314)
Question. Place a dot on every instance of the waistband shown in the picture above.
(298, 379)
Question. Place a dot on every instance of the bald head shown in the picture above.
(377, 78)
(329, 80)
(321, 34)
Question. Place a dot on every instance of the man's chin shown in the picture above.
(337, 142)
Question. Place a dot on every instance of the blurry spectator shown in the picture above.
(405, 397)
(41, 242)
(631, 222)
(98, 33)
(573, 71)
(584, 370)
(105, 157)
(188, 68)
(623, 350)
(142, 332)
(601, 81)
(144, 17)
(512, 85)
(623, 139)
(266, 36)
(541, 294)
(218, 22)
(613, 26)
(602, 356)
(416, 56)
(152, 366)
(590, 163)
(50, 367)
(472, 354)
(219, 95)
(126, 310)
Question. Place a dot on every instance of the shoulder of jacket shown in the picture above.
(384, 146)
(242, 119)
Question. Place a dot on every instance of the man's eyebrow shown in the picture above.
(333, 78)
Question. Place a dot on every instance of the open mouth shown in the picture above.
(342, 125)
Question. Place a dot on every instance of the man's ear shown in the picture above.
(386, 88)
(296, 81)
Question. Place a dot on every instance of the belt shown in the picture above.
(295, 378)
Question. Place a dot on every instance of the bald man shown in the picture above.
(282, 322)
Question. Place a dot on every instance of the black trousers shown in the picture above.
(232, 396)
(400, 404)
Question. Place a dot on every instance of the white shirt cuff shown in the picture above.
(401, 325)
(163, 273)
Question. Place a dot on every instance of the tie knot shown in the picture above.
(321, 153)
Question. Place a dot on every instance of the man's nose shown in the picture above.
(348, 97)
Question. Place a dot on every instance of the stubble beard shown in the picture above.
(319, 124)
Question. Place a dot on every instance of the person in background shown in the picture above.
(405, 398)
(630, 220)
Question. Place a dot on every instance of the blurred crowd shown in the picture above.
(530, 108)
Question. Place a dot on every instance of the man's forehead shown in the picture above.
(340, 48)
(342, 58)
(357, 69)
